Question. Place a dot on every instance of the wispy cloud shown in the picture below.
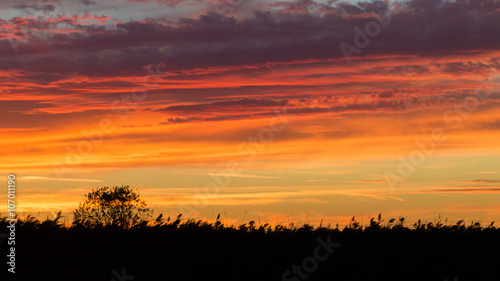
(469, 190)
(38, 178)
(463, 189)
(232, 175)
(479, 181)
(367, 181)
(485, 172)
(317, 180)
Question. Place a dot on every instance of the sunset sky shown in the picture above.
(252, 109)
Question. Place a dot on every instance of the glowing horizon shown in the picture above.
(255, 110)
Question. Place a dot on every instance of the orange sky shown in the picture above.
(236, 115)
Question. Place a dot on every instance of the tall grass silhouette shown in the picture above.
(189, 249)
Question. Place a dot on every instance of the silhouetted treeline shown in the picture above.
(180, 249)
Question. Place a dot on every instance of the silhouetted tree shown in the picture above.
(119, 206)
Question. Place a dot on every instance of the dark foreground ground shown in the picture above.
(180, 250)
